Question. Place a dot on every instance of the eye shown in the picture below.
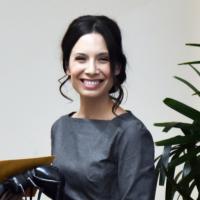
(104, 59)
(80, 59)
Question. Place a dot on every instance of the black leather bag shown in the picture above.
(47, 179)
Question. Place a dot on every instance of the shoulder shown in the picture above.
(60, 123)
(133, 139)
(130, 125)
(133, 131)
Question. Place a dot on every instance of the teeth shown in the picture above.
(89, 82)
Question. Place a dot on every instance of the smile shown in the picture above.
(91, 84)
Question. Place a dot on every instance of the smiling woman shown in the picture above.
(89, 67)
(110, 42)
(103, 151)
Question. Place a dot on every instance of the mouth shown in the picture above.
(91, 84)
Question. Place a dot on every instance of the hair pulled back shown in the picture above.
(110, 31)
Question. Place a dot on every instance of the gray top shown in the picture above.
(104, 159)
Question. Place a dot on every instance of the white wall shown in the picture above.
(154, 33)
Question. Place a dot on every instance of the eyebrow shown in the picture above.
(103, 54)
(85, 54)
(79, 54)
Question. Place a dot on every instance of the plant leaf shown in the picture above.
(177, 176)
(190, 63)
(169, 125)
(193, 44)
(157, 158)
(195, 69)
(177, 148)
(183, 108)
(176, 186)
(170, 190)
(195, 165)
(164, 161)
(184, 183)
(186, 169)
(191, 187)
(165, 155)
(188, 84)
(188, 139)
(185, 158)
(159, 171)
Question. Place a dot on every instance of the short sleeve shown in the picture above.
(135, 163)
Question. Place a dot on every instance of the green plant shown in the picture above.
(179, 164)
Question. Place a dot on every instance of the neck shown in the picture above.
(97, 108)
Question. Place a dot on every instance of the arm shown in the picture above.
(135, 158)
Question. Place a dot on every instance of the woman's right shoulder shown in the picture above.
(60, 121)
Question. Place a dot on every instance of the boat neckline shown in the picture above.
(127, 113)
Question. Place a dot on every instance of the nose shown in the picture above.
(91, 68)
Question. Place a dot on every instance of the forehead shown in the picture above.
(90, 43)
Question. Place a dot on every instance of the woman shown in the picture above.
(103, 150)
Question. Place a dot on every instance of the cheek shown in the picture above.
(74, 69)
(107, 71)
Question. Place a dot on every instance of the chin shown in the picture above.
(93, 94)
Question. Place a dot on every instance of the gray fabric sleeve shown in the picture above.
(52, 139)
(135, 157)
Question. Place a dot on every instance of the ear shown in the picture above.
(117, 70)
(68, 72)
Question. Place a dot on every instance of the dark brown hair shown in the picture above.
(110, 31)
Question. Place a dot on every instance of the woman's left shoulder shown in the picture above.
(132, 127)
(129, 120)
(133, 138)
